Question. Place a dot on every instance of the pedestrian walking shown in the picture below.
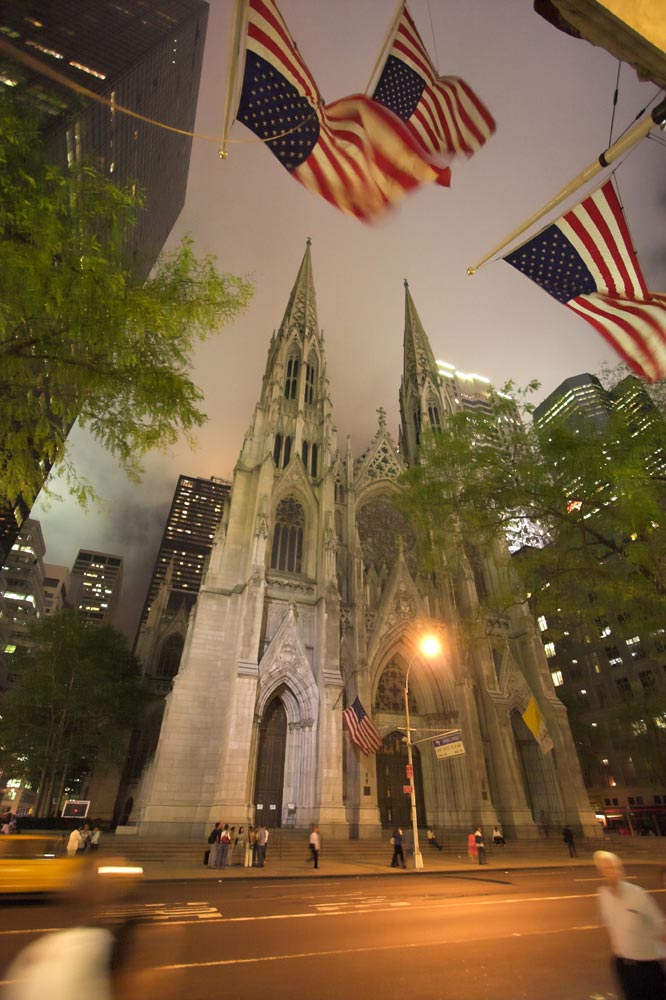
(267, 834)
(398, 859)
(315, 845)
(214, 842)
(471, 846)
(95, 838)
(408, 846)
(568, 838)
(74, 842)
(249, 847)
(480, 846)
(260, 847)
(637, 931)
(225, 841)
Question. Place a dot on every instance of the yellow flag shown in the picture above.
(533, 719)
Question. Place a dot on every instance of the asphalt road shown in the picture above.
(528, 934)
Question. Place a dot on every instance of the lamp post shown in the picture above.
(429, 646)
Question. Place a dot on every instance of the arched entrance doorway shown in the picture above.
(394, 803)
(270, 765)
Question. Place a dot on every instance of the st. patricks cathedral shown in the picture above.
(312, 596)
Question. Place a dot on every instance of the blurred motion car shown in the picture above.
(34, 864)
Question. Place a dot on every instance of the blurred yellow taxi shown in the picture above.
(34, 864)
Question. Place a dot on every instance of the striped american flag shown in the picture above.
(586, 260)
(362, 731)
(354, 152)
(442, 111)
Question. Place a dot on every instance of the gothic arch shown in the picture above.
(170, 653)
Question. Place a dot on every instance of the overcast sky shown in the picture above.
(551, 96)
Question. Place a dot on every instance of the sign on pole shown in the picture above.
(449, 745)
(406, 789)
(409, 770)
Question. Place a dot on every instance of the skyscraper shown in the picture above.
(144, 56)
(95, 586)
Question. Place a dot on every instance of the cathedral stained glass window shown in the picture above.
(287, 550)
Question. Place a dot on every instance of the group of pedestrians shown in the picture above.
(82, 839)
(229, 846)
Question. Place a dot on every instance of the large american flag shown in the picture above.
(586, 260)
(362, 731)
(353, 152)
(443, 112)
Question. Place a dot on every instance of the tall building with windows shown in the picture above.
(57, 584)
(22, 598)
(312, 596)
(96, 579)
(612, 674)
(143, 55)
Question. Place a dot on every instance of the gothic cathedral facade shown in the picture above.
(313, 596)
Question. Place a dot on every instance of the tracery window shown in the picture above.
(287, 452)
(313, 460)
(417, 425)
(433, 417)
(339, 491)
(277, 449)
(287, 550)
(291, 381)
(310, 378)
(390, 696)
(305, 454)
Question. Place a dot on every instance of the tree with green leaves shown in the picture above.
(79, 339)
(582, 507)
(76, 693)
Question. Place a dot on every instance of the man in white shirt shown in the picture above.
(637, 931)
(315, 845)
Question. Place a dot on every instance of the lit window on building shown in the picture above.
(558, 678)
(542, 623)
(549, 649)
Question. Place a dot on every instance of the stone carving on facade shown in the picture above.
(346, 620)
(293, 586)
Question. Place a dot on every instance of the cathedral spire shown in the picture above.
(419, 360)
(422, 401)
(301, 313)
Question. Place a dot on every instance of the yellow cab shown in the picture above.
(32, 863)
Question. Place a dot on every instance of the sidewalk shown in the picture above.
(514, 857)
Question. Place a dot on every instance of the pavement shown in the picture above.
(350, 861)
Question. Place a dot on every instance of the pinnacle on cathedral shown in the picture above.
(301, 313)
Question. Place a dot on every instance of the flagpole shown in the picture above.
(230, 100)
(387, 41)
(619, 148)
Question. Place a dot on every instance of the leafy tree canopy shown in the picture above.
(77, 691)
(583, 508)
(78, 338)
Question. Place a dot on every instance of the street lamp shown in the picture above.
(429, 646)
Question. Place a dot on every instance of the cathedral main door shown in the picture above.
(394, 803)
(270, 765)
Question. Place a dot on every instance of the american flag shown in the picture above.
(443, 112)
(586, 260)
(362, 731)
(353, 152)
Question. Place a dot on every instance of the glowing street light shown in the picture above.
(429, 646)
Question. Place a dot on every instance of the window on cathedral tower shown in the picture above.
(277, 449)
(287, 452)
(433, 417)
(313, 460)
(287, 550)
(305, 454)
(170, 654)
(310, 379)
(291, 381)
(417, 425)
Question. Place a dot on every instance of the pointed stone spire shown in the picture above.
(422, 401)
(419, 359)
(301, 311)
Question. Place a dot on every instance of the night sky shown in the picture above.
(551, 96)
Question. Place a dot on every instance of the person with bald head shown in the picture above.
(637, 930)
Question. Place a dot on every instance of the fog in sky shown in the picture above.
(551, 96)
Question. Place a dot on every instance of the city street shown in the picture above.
(523, 934)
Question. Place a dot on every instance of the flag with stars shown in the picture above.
(362, 731)
(353, 152)
(443, 112)
(586, 260)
